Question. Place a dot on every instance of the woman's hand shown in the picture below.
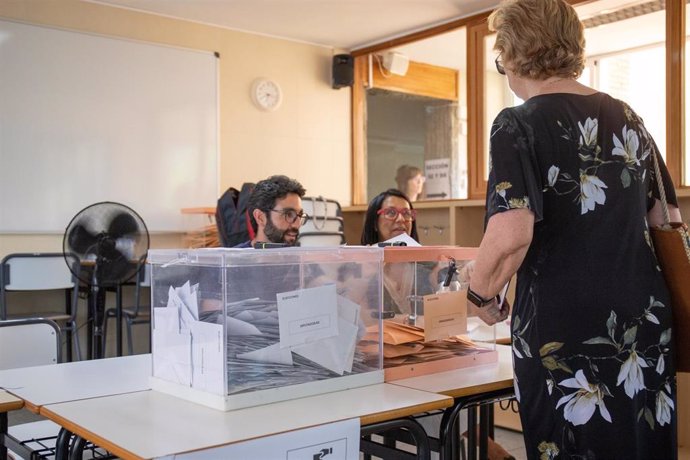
(490, 314)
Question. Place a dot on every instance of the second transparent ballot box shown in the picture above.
(234, 328)
(427, 327)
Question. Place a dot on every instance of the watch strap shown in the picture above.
(478, 300)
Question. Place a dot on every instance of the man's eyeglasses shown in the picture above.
(499, 67)
(291, 216)
(392, 213)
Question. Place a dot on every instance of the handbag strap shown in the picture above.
(662, 190)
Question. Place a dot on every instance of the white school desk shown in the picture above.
(55, 383)
(477, 385)
(150, 424)
(8, 402)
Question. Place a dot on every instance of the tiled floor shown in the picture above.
(512, 442)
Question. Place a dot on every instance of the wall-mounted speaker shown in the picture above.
(343, 71)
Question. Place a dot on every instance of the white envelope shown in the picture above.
(166, 319)
(238, 327)
(189, 298)
(175, 303)
(348, 310)
(307, 315)
(207, 357)
(270, 354)
(172, 356)
(334, 353)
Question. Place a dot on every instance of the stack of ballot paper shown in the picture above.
(306, 335)
(185, 350)
(405, 344)
(317, 324)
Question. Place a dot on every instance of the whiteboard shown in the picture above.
(87, 118)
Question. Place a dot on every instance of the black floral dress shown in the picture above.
(591, 324)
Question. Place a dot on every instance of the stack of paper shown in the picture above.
(405, 344)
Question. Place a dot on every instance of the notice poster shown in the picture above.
(437, 174)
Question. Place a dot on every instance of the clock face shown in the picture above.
(266, 94)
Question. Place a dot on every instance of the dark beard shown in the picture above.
(276, 235)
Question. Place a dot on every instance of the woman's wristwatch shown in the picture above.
(478, 300)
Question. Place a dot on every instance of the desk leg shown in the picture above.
(450, 416)
(62, 444)
(76, 452)
(445, 435)
(412, 426)
(4, 426)
(472, 433)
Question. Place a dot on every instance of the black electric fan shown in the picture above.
(110, 241)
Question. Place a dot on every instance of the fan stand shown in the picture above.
(97, 313)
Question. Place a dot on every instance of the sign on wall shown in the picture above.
(437, 174)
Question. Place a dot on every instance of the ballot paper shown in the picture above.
(207, 357)
(348, 310)
(188, 295)
(172, 357)
(270, 354)
(445, 315)
(175, 302)
(334, 353)
(237, 327)
(166, 319)
(307, 315)
(403, 238)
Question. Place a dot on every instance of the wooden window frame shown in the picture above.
(477, 29)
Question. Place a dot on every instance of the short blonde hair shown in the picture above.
(539, 39)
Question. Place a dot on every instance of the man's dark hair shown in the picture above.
(267, 191)
(370, 232)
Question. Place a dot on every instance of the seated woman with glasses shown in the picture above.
(391, 214)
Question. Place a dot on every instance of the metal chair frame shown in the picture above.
(30, 272)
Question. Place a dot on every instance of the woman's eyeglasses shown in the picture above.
(291, 216)
(392, 213)
(499, 67)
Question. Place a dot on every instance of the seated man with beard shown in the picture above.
(275, 211)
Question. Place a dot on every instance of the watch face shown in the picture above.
(266, 94)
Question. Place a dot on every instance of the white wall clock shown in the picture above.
(266, 94)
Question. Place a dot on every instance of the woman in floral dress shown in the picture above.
(571, 196)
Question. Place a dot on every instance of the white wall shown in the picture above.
(307, 138)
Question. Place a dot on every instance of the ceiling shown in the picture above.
(341, 24)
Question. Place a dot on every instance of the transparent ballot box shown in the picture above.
(234, 328)
(426, 325)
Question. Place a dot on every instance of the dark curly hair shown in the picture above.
(370, 233)
(267, 191)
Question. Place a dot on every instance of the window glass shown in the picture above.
(497, 95)
(407, 131)
(625, 51)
